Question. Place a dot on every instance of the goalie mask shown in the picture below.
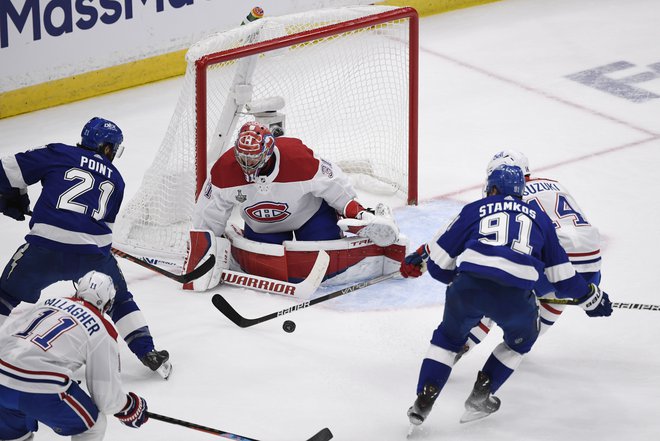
(99, 133)
(253, 148)
(98, 289)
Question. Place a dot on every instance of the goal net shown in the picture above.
(343, 80)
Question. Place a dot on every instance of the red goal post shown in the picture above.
(202, 65)
(343, 80)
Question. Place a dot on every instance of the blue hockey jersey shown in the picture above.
(81, 195)
(506, 240)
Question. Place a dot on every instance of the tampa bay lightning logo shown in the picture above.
(268, 212)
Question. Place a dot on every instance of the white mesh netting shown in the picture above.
(346, 96)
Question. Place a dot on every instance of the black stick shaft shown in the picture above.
(182, 278)
(619, 305)
(194, 426)
(223, 306)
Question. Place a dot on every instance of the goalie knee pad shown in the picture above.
(379, 226)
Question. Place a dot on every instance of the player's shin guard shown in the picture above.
(476, 336)
(433, 375)
(96, 433)
(549, 314)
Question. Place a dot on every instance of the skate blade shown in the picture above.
(165, 370)
(411, 431)
(473, 415)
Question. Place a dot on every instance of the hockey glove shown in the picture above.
(15, 204)
(596, 303)
(134, 414)
(414, 265)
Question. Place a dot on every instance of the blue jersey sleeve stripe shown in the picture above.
(523, 272)
(70, 237)
(440, 257)
(561, 272)
(13, 172)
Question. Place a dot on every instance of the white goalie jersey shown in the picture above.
(42, 348)
(578, 237)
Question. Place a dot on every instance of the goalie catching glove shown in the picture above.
(203, 244)
(377, 225)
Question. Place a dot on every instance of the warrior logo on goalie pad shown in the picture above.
(268, 212)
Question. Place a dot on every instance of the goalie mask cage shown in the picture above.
(344, 79)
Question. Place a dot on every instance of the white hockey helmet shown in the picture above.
(508, 157)
(98, 289)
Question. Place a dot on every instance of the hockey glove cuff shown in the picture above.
(597, 303)
(15, 204)
(414, 265)
(134, 414)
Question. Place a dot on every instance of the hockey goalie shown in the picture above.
(293, 204)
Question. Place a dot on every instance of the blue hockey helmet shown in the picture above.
(98, 133)
(508, 179)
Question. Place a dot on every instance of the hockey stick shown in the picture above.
(183, 278)
(322, 435)
(303, 289)
(620, 305)
(225, 308)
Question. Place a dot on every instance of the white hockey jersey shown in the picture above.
(577, 236)
(282, 201)
(40, 351)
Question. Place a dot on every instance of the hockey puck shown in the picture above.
(289, 326)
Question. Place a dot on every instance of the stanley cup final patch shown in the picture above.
(240, 197)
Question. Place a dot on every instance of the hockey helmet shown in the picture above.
(253, 148)
(98, 289)
(509, 157)
(508, 179)
(98, 133)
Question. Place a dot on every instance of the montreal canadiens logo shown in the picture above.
(268, 212)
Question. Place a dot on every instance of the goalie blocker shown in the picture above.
(351, 259)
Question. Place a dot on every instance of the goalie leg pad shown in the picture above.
(380, 227)
(203, 244)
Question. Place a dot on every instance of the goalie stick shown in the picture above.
(321, 435)
(620, 305)
(303, 289)
(224, 307)
(182, 278)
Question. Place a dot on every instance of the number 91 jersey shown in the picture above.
(505, 240)
(81, 195)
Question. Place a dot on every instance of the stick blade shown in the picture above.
(224, 307)
(323, 435)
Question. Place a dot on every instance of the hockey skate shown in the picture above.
(158, 361)
(480, 403)
(423, 404)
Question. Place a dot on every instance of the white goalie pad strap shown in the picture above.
(203, 244)
(380, 227)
